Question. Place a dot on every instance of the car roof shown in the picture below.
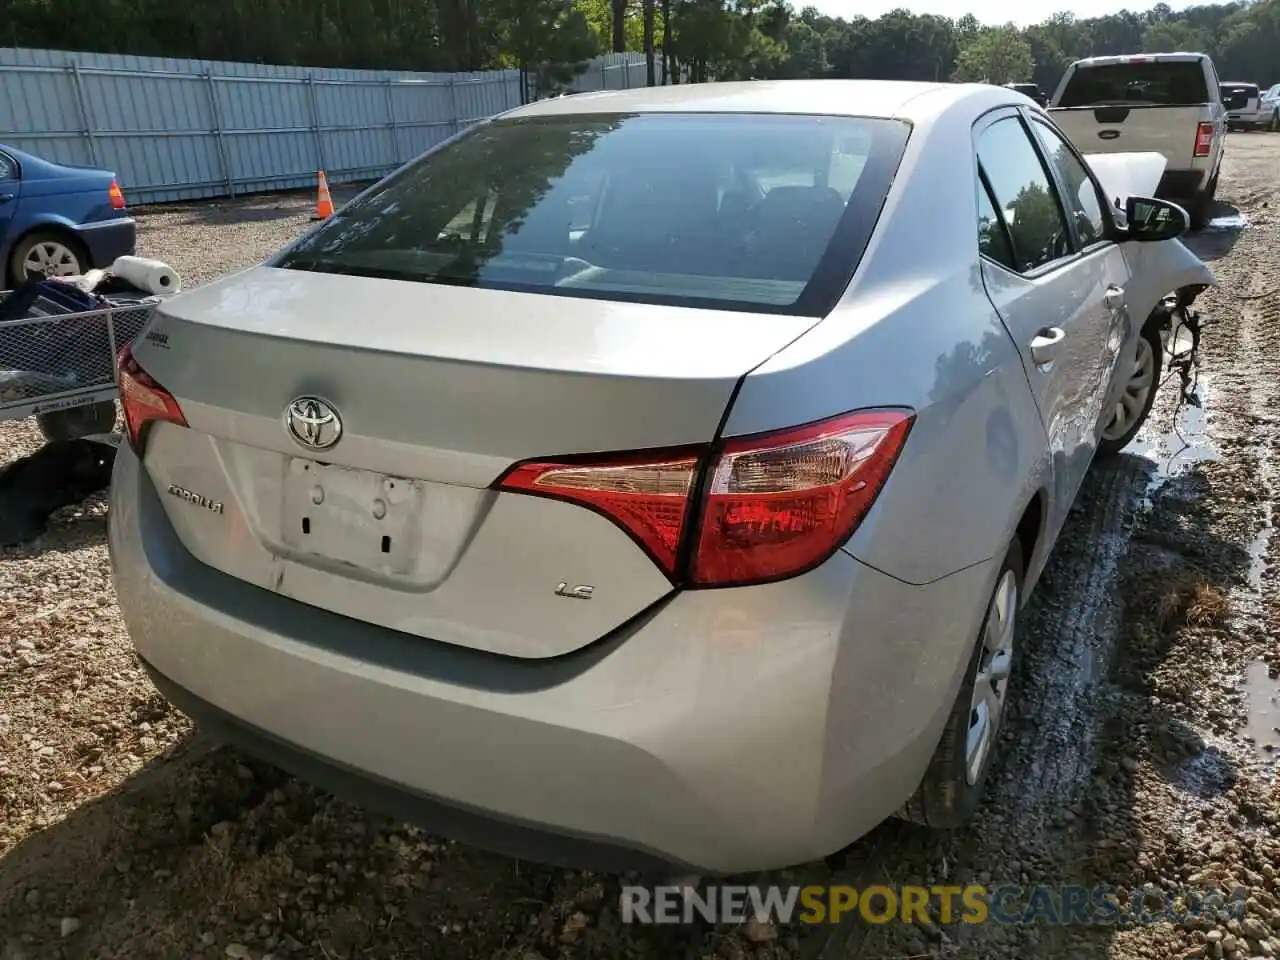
(914, 102)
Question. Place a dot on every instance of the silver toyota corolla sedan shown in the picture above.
(648, 477)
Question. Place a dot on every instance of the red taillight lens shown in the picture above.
(645, 494)
(116, 195)
(143, 400)
(1204, 139)
(774, 505)
(780, 504)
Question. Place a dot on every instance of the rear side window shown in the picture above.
(993, 239)
(1172, 83)
(731, 211)
(7, 168)
(1024, 193)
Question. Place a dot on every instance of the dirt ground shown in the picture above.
(1127, 760)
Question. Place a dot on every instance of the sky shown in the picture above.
(987, 11)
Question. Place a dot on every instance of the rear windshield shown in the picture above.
(733, 211)
(1236, 95)
(1173, 83)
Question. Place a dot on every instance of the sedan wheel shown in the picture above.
(953, 784)
(50, 258)
(991, 681)
(1132, 406)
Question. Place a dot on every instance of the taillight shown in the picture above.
(144, 400)
(780, 504)
(773, 505)
(1204, 139)
(116, 195)
(645, 494)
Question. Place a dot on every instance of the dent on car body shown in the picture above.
(1158, 268)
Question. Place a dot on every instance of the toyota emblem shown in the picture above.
(313, 423)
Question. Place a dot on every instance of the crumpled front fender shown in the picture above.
(1159, 269)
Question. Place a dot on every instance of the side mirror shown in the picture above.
(1151, 220)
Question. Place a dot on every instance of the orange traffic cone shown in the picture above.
(324, 202)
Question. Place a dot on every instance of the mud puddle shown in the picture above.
(1176, 445)
(1262, 702)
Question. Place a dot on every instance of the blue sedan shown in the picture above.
(58, 221)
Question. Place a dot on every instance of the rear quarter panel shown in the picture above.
(916, 329)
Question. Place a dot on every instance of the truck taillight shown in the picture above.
(772, 506)
(144, 400)
(116, 195)
(1204, 139)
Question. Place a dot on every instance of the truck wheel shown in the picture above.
(1274, 125)
(77, 422)
(953, 785)
(1200, 210)
(1139, 394)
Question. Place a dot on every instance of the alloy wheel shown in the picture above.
(1137, 390)
(49, 258)
(991, 682)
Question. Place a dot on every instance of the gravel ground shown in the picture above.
(125, 834)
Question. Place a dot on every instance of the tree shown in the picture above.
(548, 40)
(997, 55)
(619, 11)
(650, 77)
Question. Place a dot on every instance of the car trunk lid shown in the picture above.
(439, 390)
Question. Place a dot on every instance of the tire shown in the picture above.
(1148, 366)
(66, 255)
(1200, 209)
(951, 791)
(1274, 125)
(77, 422)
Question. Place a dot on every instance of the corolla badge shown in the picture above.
(313, 423)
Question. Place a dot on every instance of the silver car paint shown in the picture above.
(727, 729)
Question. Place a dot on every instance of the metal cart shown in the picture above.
(60, 369)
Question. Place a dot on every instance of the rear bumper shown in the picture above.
(720, 730)
(107, 239)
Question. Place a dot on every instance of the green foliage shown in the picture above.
(995, 55)
(699, 39)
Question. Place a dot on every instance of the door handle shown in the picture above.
(1045, 345)
(1114, 298)
(6, 197)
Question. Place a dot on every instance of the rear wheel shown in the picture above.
(1274, 125)
(46, 253)
(1200, 209)
(953, 785)
(1139, 394)
(78, 422)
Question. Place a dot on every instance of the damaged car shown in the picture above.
(650, 477)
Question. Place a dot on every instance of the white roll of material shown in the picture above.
(152, 276)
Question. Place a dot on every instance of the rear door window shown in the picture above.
(8, 169)
(1171, 83)
(730, 211)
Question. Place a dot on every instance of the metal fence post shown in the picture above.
(391, 121)
(604, 76)
(216, 112)
(86, 125)
(626, 75)
(453, 102)
(315, 122)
